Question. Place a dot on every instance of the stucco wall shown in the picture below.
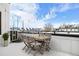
(4, 9)
(66, 44)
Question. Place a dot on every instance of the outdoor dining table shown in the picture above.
(40, 37)
(39, 42)
(43, 40)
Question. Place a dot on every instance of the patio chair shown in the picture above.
(27, 42)
(47, 34)
(35, 46)
(47, 44)
(32, 45)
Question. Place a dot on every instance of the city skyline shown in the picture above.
(37, 15)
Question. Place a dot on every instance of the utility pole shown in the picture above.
(17, 21)
(13, 22)
(23, 25)
(18, 18)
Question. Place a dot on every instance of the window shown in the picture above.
(0, 23)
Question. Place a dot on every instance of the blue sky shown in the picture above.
(37, 15)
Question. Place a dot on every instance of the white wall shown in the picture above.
(66, 44)
(4, 9)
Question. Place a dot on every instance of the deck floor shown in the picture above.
(15, 49)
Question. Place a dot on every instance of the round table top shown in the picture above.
(40, 37)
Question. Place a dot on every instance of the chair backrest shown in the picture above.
(28, 39)
(29, 42)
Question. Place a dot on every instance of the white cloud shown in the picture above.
(52, 12)
(73, 22)
(61, 8)
(50, 15)
(27, 12)
(64, 7)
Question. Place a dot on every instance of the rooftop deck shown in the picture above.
(60, 46)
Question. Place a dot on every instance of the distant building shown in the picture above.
(33, 30)
(69, 27)
(15, 29)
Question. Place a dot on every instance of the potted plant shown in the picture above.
(5, 37)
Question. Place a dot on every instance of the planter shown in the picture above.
(5, 43)
(5, 37)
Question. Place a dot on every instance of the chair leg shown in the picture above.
(41, 50)
(35, 53)
(27, 49)
(24, 47)
(38, 50)
(48, 47)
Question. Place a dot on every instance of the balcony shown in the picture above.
(60, 46)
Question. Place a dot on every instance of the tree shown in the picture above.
(48, 28)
